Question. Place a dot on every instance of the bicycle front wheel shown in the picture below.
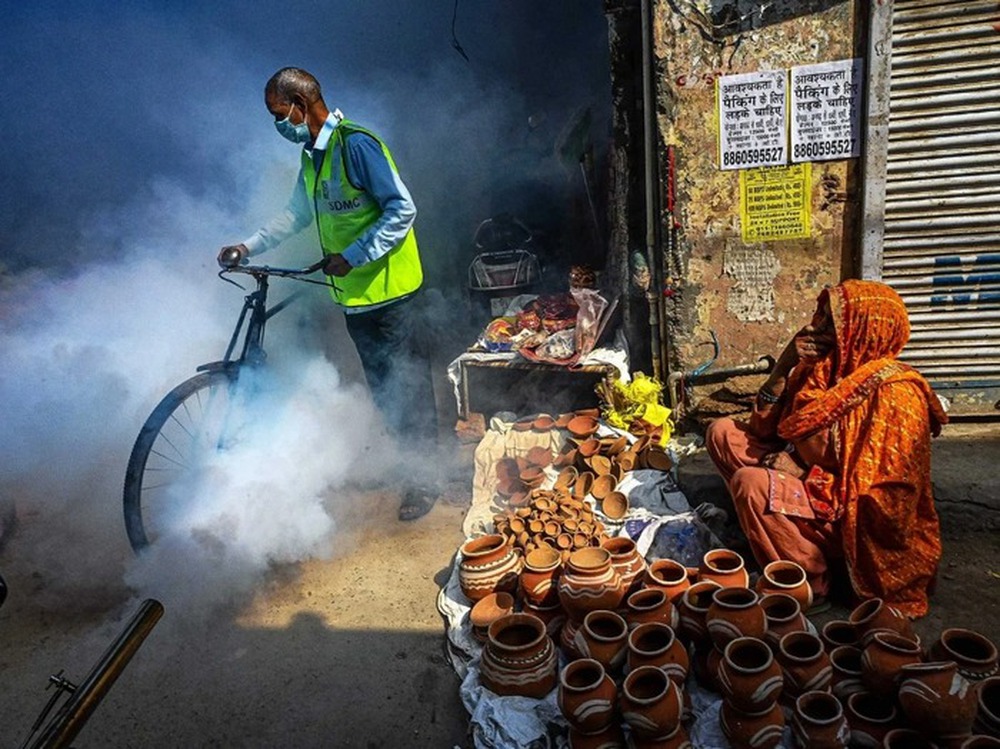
(187, 424)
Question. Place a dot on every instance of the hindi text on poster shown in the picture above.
(825, 111)
(776, 203)
(752, 114)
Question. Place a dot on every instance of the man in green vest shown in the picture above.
(348, 183)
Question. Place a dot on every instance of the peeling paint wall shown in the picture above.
(754, 297)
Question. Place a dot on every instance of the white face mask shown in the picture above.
(295, 133)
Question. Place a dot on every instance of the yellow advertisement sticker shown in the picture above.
(776, 203)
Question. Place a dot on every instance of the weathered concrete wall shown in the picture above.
(753, 296)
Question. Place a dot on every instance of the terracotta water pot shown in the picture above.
(975, 654)
(650, 702)
(692, 607)
(783, 615)
(988, 713)
(603, 637)
(582, 426)
(589, 582)
(937, 699)
(676, 740)
(845, 662)
(837, 632)
(805, 664)
(487, 610)
(615, 505)
(870, 718)
(519, 657)
(669, 575)
(650, 605)
(552, 616)
(875, 615)
(611, 737)
(725, 567)
(656, 644)
(734, 612)
(882, 659)
(749, 677)
(906, 738)
(786, 577)
(587, 696)
(539, 581)
(749, 731)
(488, 564)
(818, 722)
(625, 558)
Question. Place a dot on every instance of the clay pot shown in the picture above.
(582, 426)
(615, 505)
(587, 696)
(603, 486)
(668, 575)
(625, 558)
(870, 718)
(611, 737)
(488, 564)
(783, 615)
(906, 738)
(539, 582)
(988, 714)
(937, 699)
(656, 459)
(838, 632)
(818, 722)
(487, 610)
(748, 731)
(786, 577)
(749, 677)
(875, 615)
(882, 659)
(734, 612)
(805, 664)
(656, 644)
(974, 653)
(650, 702)
(552, 616)
(725, 567)
(650, 605)
(692, 607)
(519, 657)
(603, 637)
(676, 740)
(589, 583)
(845, 663)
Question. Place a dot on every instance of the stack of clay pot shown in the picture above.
(553, 519)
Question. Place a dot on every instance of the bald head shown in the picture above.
(293, 84)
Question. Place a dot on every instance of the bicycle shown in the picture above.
(191, 418)
(83, 700)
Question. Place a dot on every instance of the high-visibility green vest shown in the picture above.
(343, 212)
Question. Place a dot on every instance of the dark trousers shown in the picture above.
(391, 344)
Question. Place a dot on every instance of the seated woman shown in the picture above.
(835, 461)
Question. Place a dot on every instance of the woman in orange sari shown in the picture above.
(835, 461)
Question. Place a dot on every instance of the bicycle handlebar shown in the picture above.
(267, 270)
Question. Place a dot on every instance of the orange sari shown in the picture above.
(881, 414)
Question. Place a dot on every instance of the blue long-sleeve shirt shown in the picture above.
(367, 168)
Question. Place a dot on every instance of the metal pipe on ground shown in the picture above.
(762, 366)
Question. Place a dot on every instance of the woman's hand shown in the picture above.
(783, 462)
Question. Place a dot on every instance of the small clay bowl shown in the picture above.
(582, 426)
(523, 425)
(543, 423)
(600, 465)
(613, 446)
(588, 448)
(603, 486)
(657, 460)
(507, 468)
(640, 444)
(625, 460)
(532, 476)
(539, 456)
(615, 505)
(581, 488)
(566, 477)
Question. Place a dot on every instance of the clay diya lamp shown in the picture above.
(567, 476)
(805, 664)
(543, 423)
(838, 632)
(786, 577)
(539, 456)
(488, 564)
(615, 445)
(749, 678)
(532, 476)
(650, 702)
(656, 459)
(522, 425)
(870, 718)
(603, 637)
(845, 662)
(589, 582)
(582, 485)
(906, 738)
(725, 567)
(988, 716)
(600, 465)
(692, 607)
(747, 730)
(582, 426)
(783, 615)
(670, 576)
(562, 421)
(587, 696)
(625, 461)
(937, 700)
(602, 487)
(882, 659)
(734, 612)
(627, 560)
(519, 657)
(818, 721)
(615, 505)
(655, 643)
(587, 449)
(650, 605)
(875, 615)
(487, 610)
(975, 654)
